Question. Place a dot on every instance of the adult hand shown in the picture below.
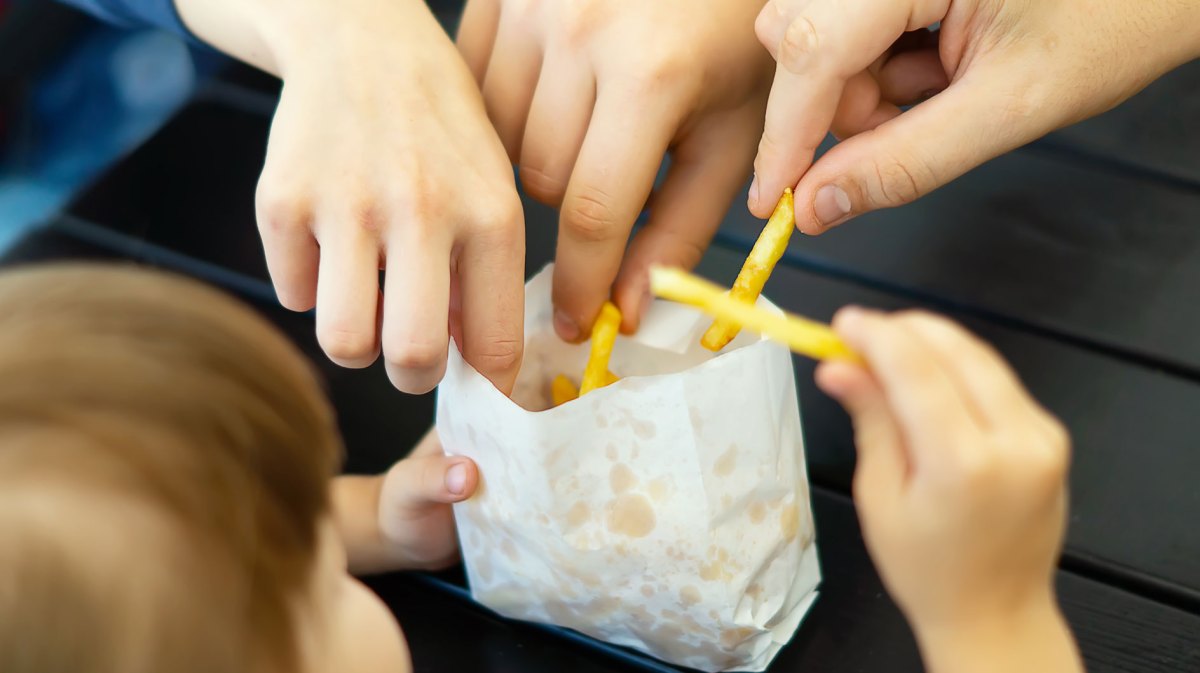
(381, 156)
(588, 96)
(1008, 72)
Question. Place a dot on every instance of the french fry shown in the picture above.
(562, 390)
(604, 333)
(758, 267)
(803, 336)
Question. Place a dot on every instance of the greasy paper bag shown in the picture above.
(668, 512)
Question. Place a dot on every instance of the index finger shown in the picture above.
(611, 181)
(818, 46)
(800, 113)
(491, 274)
(934, 418)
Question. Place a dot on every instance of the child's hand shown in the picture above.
(381, 155)
(402, 520)
(960, 483)
(588, 95)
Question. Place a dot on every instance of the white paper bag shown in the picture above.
(668, 512)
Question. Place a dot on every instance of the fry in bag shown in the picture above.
(667, 512)
(604, 334)
(761, 261)
(563, 390)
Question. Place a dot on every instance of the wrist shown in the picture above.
(277, 36)
(355, 503)
(1030, 636)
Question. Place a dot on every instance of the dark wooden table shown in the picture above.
(1078, 257)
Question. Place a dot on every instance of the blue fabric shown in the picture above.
(135, 13)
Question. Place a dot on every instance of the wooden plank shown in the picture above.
(853, 627)
(1134, 456)
(1106, 261)
(1155, 132)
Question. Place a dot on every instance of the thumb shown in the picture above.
(913, 154)
(420, 481)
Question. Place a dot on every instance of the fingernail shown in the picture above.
(566, 328)
(831, 205)
(456, 479)
(754, 189)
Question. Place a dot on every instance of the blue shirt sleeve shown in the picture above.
(132, 13)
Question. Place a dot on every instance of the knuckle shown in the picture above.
(279, 211)
(366, 216)
(928, 323)
(415, 355)
(423, 204)
(770, 149)
(497, 354)
(1060, 437)
(344, 345)
(1046, 472)
(581, 23)
(976, 471)
(668, 70)
(920, 316)
(764, 23)
(687, 253)
(589, 217)
(896, 182)
(500, 223)
(543, 186)
(800, 41)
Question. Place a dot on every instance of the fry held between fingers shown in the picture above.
(761, 261)
(801, 335)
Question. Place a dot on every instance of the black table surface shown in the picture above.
(1078, 257)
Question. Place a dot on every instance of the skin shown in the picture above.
(961, 491)
(381, 156)
(400, 520)
(588, 96)
(960, 488)
(1004, 72)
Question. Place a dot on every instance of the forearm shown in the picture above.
(1035, 639)
(271, 34)
(356, 515)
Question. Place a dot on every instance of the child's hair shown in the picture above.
(164, 466)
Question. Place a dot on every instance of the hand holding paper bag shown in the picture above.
(667, 512)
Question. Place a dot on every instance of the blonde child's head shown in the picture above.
(164, 501)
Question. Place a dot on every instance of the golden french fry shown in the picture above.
(803, 336)
(562, 390)
(604, 333)
(758, 267)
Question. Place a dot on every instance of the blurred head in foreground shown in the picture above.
(165, 459)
